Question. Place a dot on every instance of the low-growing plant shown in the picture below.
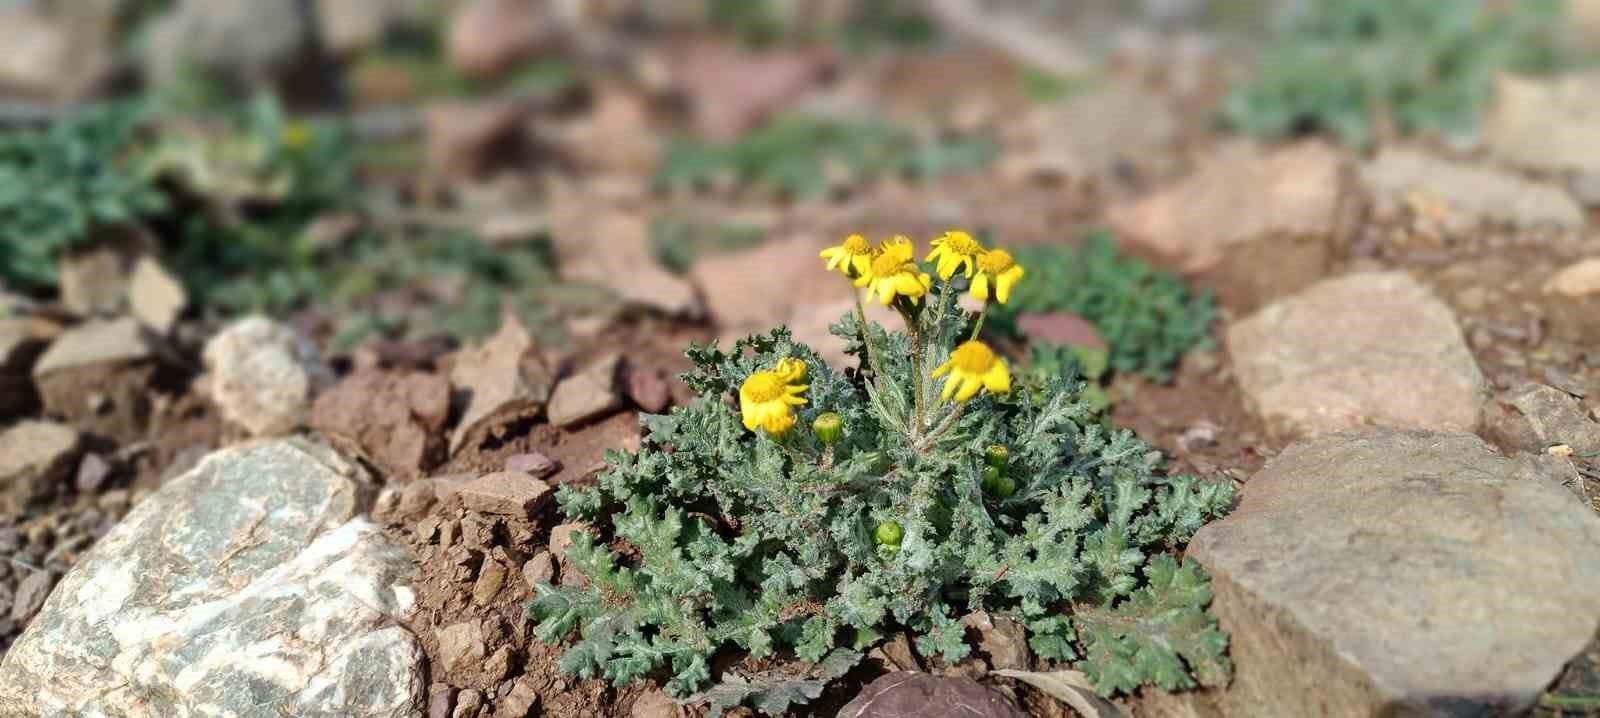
(1147, 317)
(798, 507)
(676, 242)
(804, 156)
(1428, 65)
(61, 183)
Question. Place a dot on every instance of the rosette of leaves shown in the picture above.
(736, 541)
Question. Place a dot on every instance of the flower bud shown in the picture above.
(828, 427)
(996, 456)
(889, 533)
(1005, 487)
(991, 479)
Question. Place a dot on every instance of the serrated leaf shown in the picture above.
(773, 692)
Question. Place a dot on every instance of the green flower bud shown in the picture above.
(1005, 487)
(889, 533)
(996, 456)
(991, 479)
(828, 427)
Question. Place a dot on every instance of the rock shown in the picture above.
(746, 290)
(648, 389)
(246, 43)
(907, 694)
(46, 58)
(1093, 135)
(1243, 209)
(155, 296)
(468, 704)
(461, 646)
(491, 578)
(1061, 328)
(896, 654)
(588, 395)
(521, 702)
(31, 594)
(624, 263)
(1002, 639)
(465, 140)
(248, 581)
(507, 494)
(417, 497)
(1359, 572)
(535, 464)
(561, 538)
(1546, 124)
(20, 346)
(441, 701)
(394, 420)
(489, 37)
(539, 569)
(93, 471)
(95, 279)
(1578, 280)
(731, 89)
(615, 136)
(1558, 418)
(1338, 356)
(348, 27)
(654, 703)
(1469, 194)
(36, 461)
(263, 375)
(505, 382)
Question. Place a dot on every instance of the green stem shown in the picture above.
(916, 375)
(977, 327)
(866, 336)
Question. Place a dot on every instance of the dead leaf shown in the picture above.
(1070, 687)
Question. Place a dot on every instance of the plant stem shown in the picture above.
(916, 375)
(977, 326)
(866, 336)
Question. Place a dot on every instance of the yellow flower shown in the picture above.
(767, 399)
(853, 257)
(955, 250)
(296, 135)
(894, 273)
(973, 366)
(996, 266)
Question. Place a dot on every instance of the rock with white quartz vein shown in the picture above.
(246, 587)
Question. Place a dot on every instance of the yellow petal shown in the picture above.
(969, 386)
(861, 264)
(943, 368)
(950, 387)
(885, 289)
(980, 286)
(998, 378)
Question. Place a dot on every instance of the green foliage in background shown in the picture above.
(60, 184)
(804, 156)
(1148, 318)
(737, 539)
(869, 24)
(1072, 363)
(1428, 64)
(676, 242)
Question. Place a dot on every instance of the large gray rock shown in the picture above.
(1468, 193)
(1401, 573)
(246, 587)
(1369, 348)
(908, 694)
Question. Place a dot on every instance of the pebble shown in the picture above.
(534, 463)
(506, 493)
(31, 593)
(539, 569)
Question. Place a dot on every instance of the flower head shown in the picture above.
(894, 272)
(998, 268)
(973, 366)
(853, 257)
(767, 398)
(956, 250)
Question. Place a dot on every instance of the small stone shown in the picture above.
(94, 280)
(441, 701)
(461, 647)
(653, 703)
(468, 703)
(393, 419)
(155, 296)
(31, 593)
(1337, 356)
(93, 471)
(37, 460)
(1061, 328)
(521, 702)
(491, 578)
(498, 664)
(896, 654)
(541, 569)
(534, 463)
(506, 493)
(1545, 124)
(1558, 418)
(648, 389)
(489, 37)
(561, 538)
(907, 694)
(505, 380)
(1002, 639)
(1202, 435)
(1466, 194)
(1578, 280)
(591, 394)
(263, 375)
